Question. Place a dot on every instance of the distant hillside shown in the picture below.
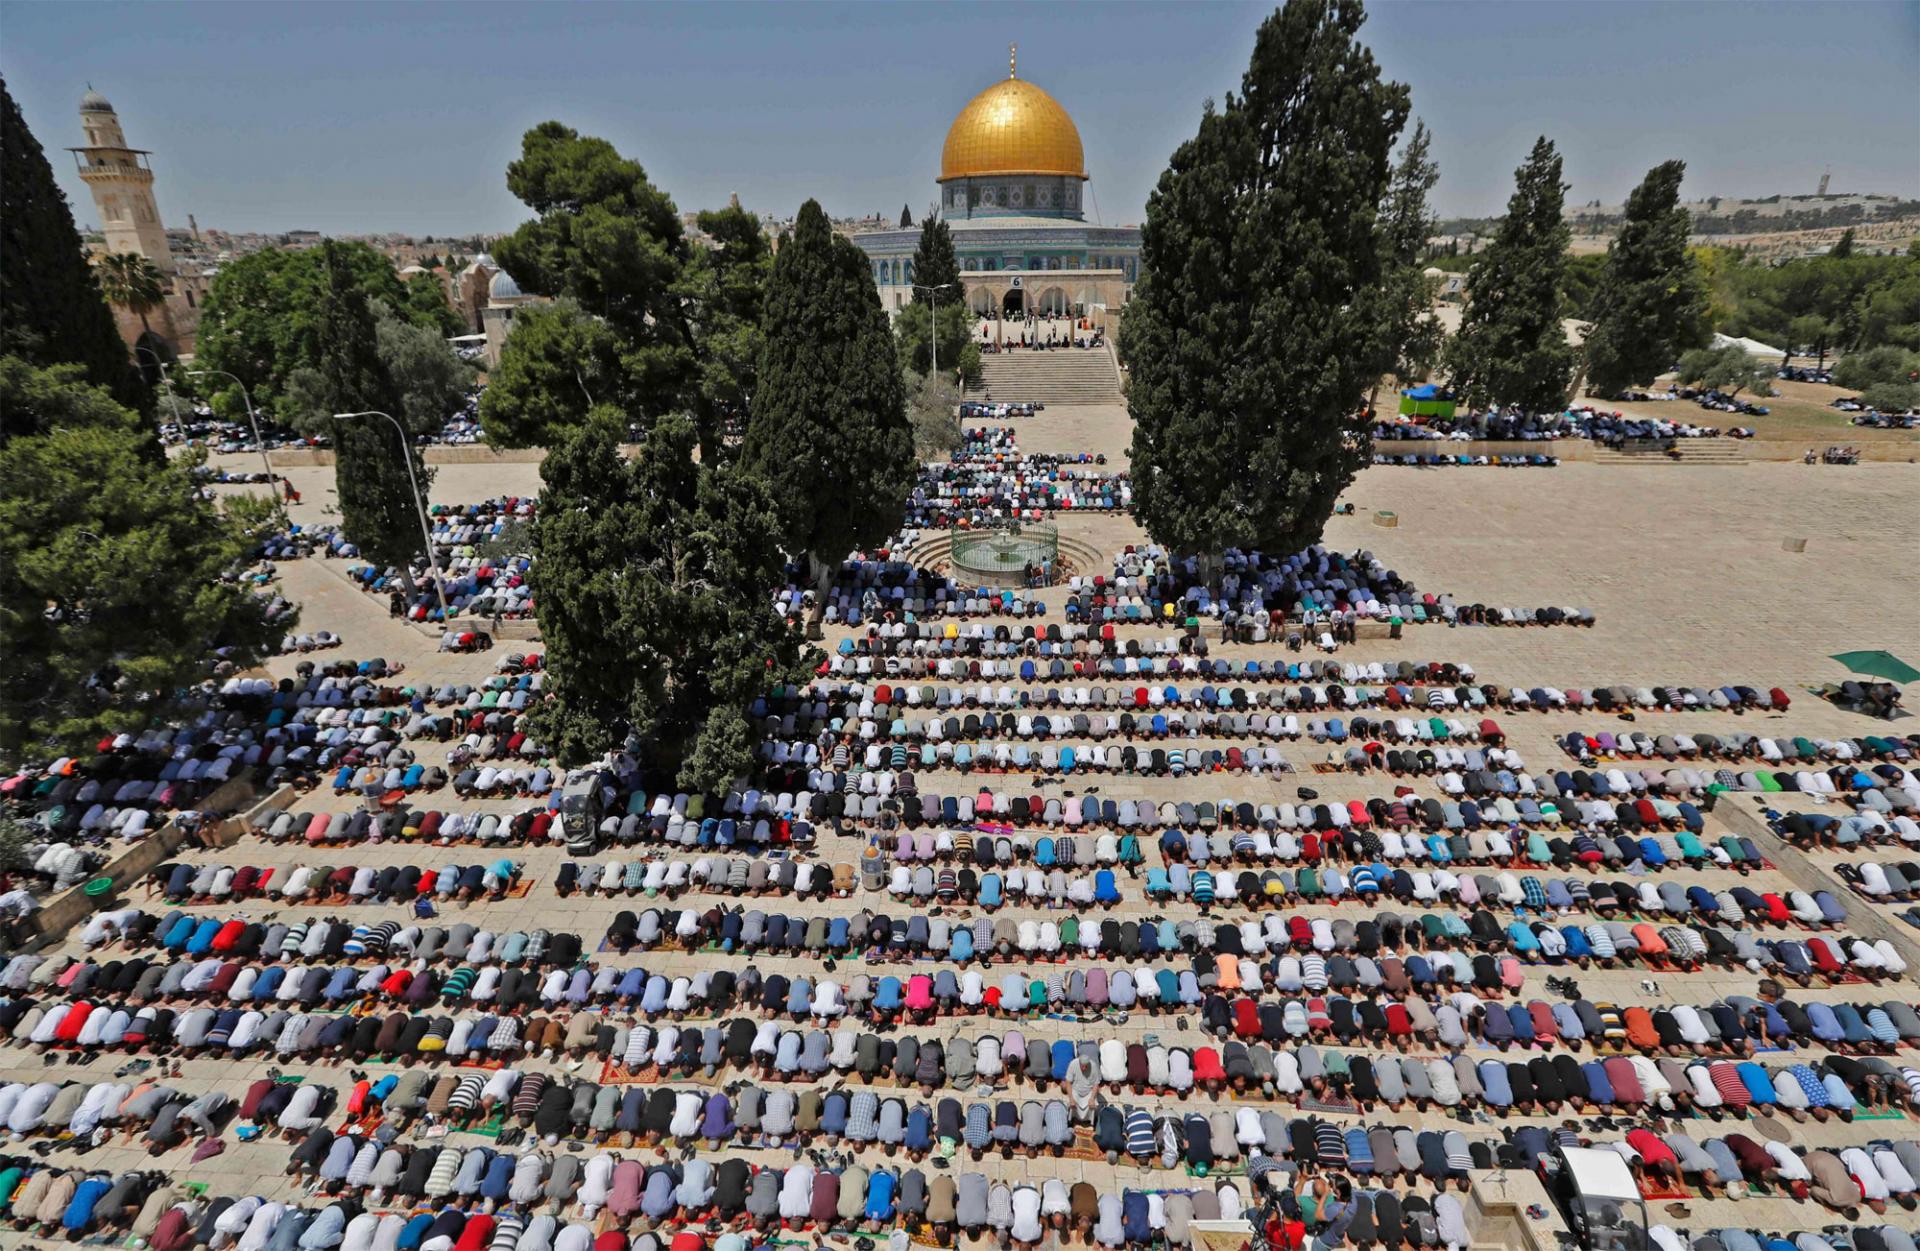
(1715, 215)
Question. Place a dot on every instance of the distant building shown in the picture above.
(1012, 191)
(120, 179)
(303, 240)
(504, 300)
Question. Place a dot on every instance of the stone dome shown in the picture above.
(1012, 127)
(94, 102)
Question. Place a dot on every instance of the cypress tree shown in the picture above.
(829, 429)
(1651, 304)
(1511, 347)
(370, 461)
(652, 578)
(934, 265)
(51, 310)
(1259, 255)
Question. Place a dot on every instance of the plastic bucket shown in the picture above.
(99, 891)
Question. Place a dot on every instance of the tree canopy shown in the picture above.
(725, 288)
(1887, 378)
(1511, 347)
(427, 306)
(51, 310)
(432, 381)
(560, 362)
(685, 319)
(610, 240)
(1821, 304)
(262, 320)
(1261, 255)
(916, 326)
(653, 578)
(1651, 304)
(829, 429)
(112, 588)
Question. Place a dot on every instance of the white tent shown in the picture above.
(1752, 347)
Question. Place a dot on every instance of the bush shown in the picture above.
(1891, 397)
(970, 363)
(1728, 369)
(1861, 370)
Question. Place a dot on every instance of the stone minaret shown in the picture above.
(122, 185)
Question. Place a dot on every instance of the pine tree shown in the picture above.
(50, 305)
(653, 578)
(1511, 347)
(935, 265)
(1651, 303)
(377, 508)
(906, 217)
(611, 240)
(1843, 247)
(829, 430)
(1260, 258)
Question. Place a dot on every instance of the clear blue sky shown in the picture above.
(360, 117)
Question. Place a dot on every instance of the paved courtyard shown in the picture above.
(1683, 567)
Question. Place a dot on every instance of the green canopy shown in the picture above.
(1879, 665)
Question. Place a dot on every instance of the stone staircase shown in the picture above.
(1064, 376)
(1691, 452)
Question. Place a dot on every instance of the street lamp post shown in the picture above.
(252, 420)
(420, 506)
(933, 318)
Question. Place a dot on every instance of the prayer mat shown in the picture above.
(1339, 1103)
(1891, 1114)
(612, 1074)
(520, 889)
(486, 1065)
(492, 1128)
(1651, 1190)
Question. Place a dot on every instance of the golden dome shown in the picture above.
(1012, 127)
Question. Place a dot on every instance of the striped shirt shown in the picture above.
(1140, 1132)
(1330, 1145)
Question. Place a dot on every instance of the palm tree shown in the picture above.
(132, 282)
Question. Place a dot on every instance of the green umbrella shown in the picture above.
(1879, 665)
